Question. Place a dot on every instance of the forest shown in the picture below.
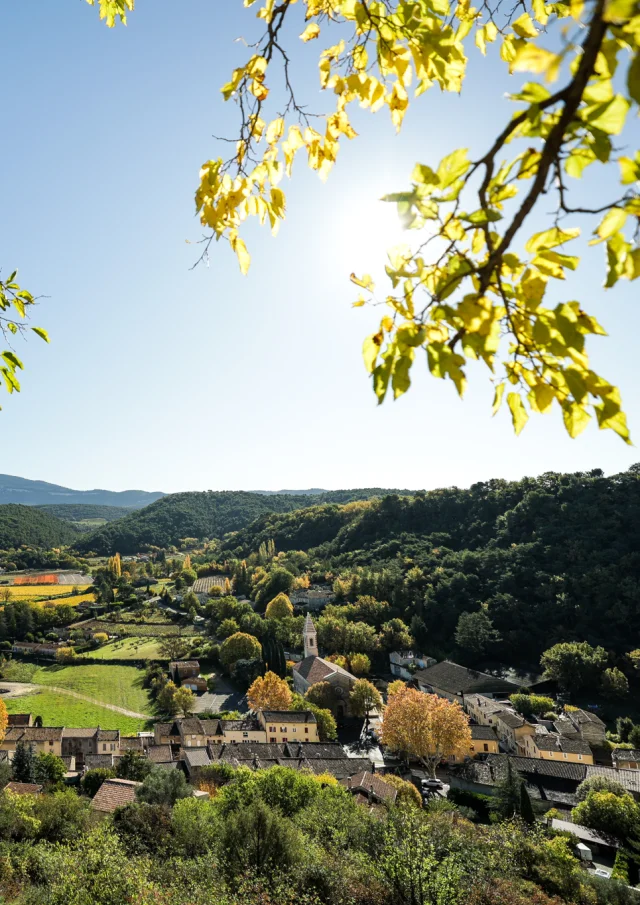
(547, 559)
(28, 526)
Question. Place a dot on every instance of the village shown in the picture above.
(552, 753)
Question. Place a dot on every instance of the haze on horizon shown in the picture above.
(162, 377)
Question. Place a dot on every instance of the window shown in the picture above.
(282, 729)
(564, 755)
(113, 747)
(51, 744)
(486, 747)
(294, 729)
(550, 753)
(306, 730)
(272, 739)
(245, 735)
(284, 739)
(272, 728)
(580, 757)
(104, 747)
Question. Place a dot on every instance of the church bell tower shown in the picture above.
(310, 638)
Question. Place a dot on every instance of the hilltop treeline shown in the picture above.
(197, 515)
(27, 526)
(77, 512)
(546, 559)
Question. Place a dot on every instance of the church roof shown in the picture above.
(315, 669)
(308, 624)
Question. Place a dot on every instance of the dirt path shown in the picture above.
(18, 689)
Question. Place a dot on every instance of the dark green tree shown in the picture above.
(164, 787)
(134, 766)
(24, 763)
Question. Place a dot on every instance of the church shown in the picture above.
(314, 669)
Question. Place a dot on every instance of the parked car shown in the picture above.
(430, 784)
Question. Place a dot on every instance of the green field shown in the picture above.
(126, 649)
(119, 685)
(61, 710)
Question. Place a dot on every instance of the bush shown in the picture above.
(621, 867)
(481, 804)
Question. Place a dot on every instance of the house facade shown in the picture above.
(553, 746)
(46, 740)
(283, 726)
(403, 663)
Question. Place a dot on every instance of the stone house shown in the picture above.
(313, 669)
(483, 741)
(20, 719)
(79, 743)
(589, 726)
(184, 669)
(554, 746)
(288, 725)
(42, 739)
(626, 758)
(403, 663)
(454, 682)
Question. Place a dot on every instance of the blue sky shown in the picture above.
(167, 378)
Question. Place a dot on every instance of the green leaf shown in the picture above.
(518, 412)
(633, 78)
(608, 117)
(629, 170)
(550, 238)
(424, 175)
(41, 333)
(401, 380)
(452, 167)
(12, 360)
(481, 216)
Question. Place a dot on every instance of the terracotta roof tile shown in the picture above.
(23, 788)
(114, 793)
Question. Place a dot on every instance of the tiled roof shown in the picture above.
(512, 720)
(190, 726)
(458, 679)
(159, 753)
(131, 743)
(184, 664)
(79, 733)
(630, 779)
(625, 754)
(338, 767)
(34, 734)
(23, 788)
(211, 727)
(309, 750)
(535, 765)
(164, 728)
(19, 719)
(582, 832)
(248, 750)
(196, 757)
(114, 793)
(249, 724)
(550, 741)
(95, 761)
(565, 727)
(483, 733)
(487, 705)
(581, 717)
(289, 716)
(108, 735)
(370, 783)
(316, 669)
(308, 624)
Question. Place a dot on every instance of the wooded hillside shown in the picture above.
(25, 525)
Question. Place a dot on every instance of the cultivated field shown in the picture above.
(135, 630)
(32, 592)
(61, 710)
(204, 585)
(126, 649)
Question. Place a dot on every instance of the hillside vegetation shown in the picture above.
(79, 512)
(24, 525)
(548, 559)
(209, 514)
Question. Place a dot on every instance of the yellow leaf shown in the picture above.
(275, 131)
(530, 58)
(575, 418)
(359, 303)
(524, 27)
(370, 350)
(550, 238)
(242, 254)
(365, 281)
(612, 221)
(311, 32)
(497, 399)
(518, 412)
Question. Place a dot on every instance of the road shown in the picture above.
(225, 697)
(19, 689)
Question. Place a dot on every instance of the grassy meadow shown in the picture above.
(62, 710)
(131, 648)
(112, 684)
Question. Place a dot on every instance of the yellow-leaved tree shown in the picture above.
(478, 285)
(425, 726)
(4, 719)
(269, 692)
(279, 608)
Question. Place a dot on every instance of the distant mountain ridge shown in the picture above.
(38, 493)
